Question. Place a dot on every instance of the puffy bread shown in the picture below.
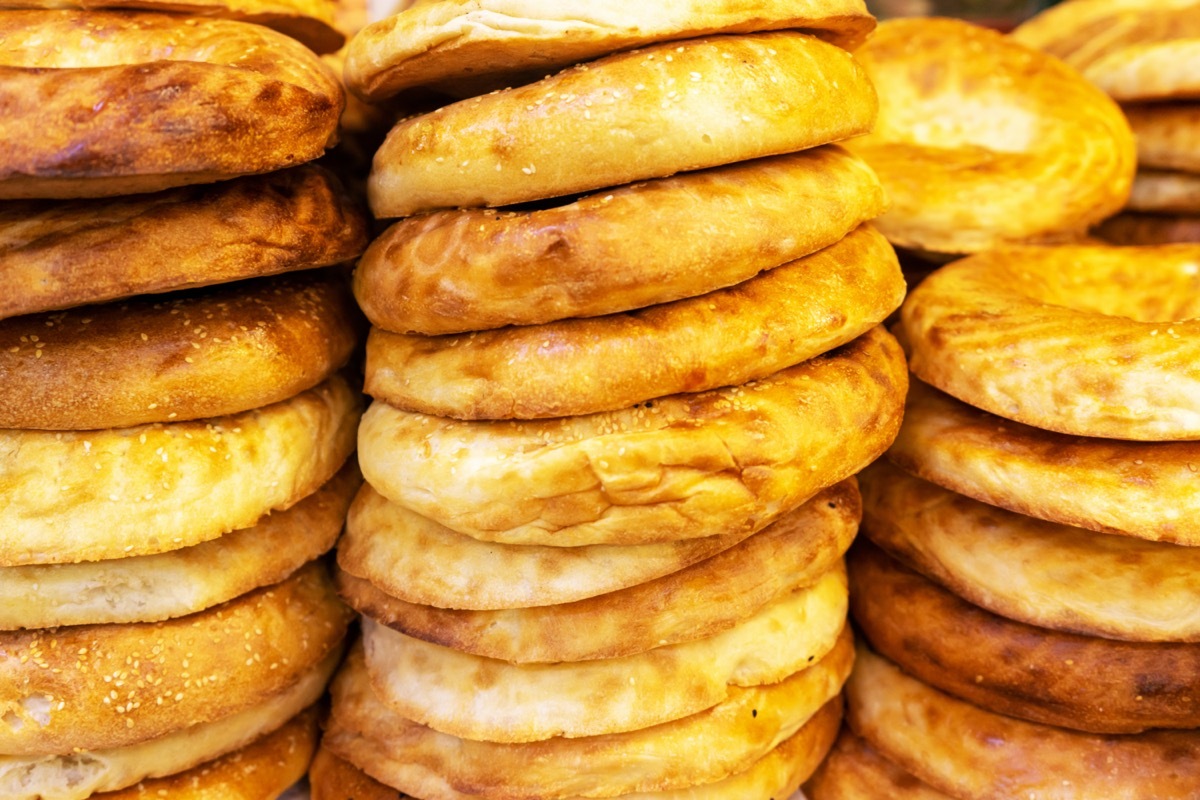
(645, 114)
(57, 255)
(484, 699)
(1077, 682)
(98, 495)
(984, 142)
(207, 353)
(1141, 489)
(262, 770)
(695, 603)
(1133, 49)
(1166, 135)
(776, 775)
(458, 271)
(1165, 192)
(473, 46)
(682, 467)
(974, 754)
(112, 109)
(1041, 573)
(1150, 229)
(703, 748)
(574, 367)
(84, 774)
(181, 582)
(99, 687)
(392, 548)
(309, 21)
(855, 771)
(331, 778)
(1085, 340)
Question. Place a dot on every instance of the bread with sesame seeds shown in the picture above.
(83, 774)
(56, 255)
(1142, 489)
(487, 699)
(1084, 340)
(100, 687)
(471, 46)
(974, 754)
(458, 271)
(128, 102)
(91, 496)
(262, 770)
(638, 115)
(204, 353)
(702, 748)
(682, 467)
(759, 744)
(1150, 229)
(695, 603)
(572, 367)
(1083, 683)
(169, 585)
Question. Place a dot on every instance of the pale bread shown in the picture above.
(695, 603)
(91, 496)
(645, 114)
(1166, 135)
(973, 754)
(485, 699)
(181, 582)
(1052, 576)
(100, 687)
(573, 367)
(1163, 192)
(703, 748)
(682, 467)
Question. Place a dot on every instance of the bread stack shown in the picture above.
(1146, 55)
(615, 423)
(164, 388)
(983, 142)
(1029, 590)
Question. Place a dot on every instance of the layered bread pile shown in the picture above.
(983, 142)
(175, 433)
(609, 461)
(1146, 55)
(1028, 591)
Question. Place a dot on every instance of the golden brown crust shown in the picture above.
(973, 754)
(727, 337)
(855, 771)
(700, 749)
(695, 603)
(1165, 192)
(309, 21)
(777, 775)
(92, 496)
(1142, 489)
(262, 770)
(472, 46)
(683, 467)
(983, 142)
(1037, 572)
(172, 359)
(57, 255)
(1150, 229)
(100, 687)
(1093, 341)
(168, 585)
(458, 271)
(1078, 682)
(226, 99)
(1166, 135)
(393, 547)
(331, 778)
(629, 117)
(485, 699)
